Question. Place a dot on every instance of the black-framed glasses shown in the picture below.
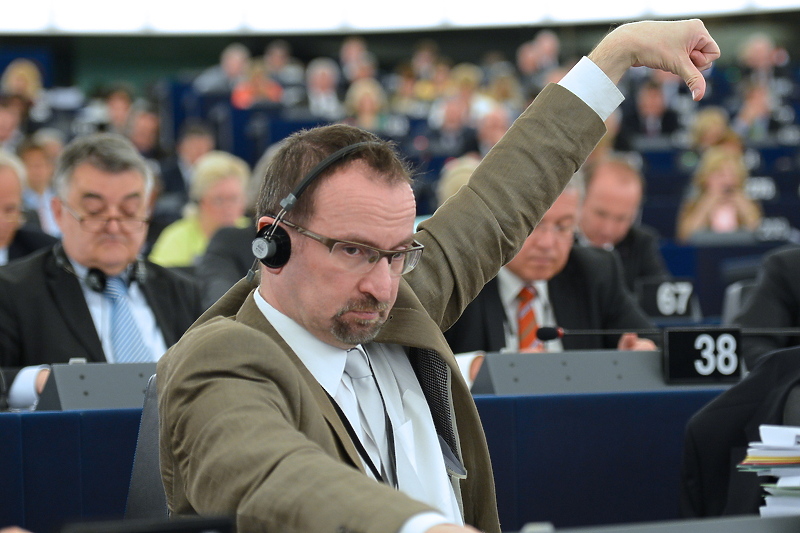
(95, 222)
(361, 258)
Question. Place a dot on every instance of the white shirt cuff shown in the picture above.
(589, 83)
(22, 394)
(420, 523)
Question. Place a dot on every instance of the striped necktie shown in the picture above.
(126, 339)
(526, 318)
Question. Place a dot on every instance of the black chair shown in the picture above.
(735, 296)
(146, 496)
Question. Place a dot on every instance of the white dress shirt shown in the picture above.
(509, 285)
(421, 471)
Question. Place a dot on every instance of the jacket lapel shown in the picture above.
(157, 295)
(250, 315)
(67, 294)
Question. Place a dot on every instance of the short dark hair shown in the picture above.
(304, 149)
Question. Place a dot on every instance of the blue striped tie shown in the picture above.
(126, 339)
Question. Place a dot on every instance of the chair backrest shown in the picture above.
(146, 496)
(791, 409)
(733, 301)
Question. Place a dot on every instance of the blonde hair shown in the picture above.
(214, 167)
(715, 158)
(360, 88)
(707, 119)
(9, 160)
(24, 70)
(455, 174)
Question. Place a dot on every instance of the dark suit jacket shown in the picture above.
(227, 259)
(172, 178)
(28, 240)
(641, 256)
(773, 303)
(44, 317)
(717, 437)
(587, 294)
(633, 131)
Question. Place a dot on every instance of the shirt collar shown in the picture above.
(325, 362)
(509, 285)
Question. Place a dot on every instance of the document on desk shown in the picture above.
(777, 455)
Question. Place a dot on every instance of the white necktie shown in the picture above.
(370, 405)
(126, 339)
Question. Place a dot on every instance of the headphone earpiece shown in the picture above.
(272, 245)
(95, 278)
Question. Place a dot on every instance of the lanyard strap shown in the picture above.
(360, 446)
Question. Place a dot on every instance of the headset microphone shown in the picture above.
(272, 245)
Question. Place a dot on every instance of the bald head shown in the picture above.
(613, 195)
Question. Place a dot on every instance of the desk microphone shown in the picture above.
(549, 333)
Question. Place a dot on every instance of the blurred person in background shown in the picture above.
(718, 202)
(195, 139)
(322, 97)
(224, 76)
(10, 123)
(367, 107)
(38, 193)
(648, 120)
(609, 218)
(16, 239)
(566, 285)
(217, 200)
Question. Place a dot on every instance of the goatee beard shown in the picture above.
(356, 331)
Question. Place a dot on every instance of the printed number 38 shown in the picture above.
(719, 355)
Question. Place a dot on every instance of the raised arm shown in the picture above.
(683, 47)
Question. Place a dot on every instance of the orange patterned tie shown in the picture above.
(526, 317)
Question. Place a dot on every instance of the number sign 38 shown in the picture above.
(701, 355)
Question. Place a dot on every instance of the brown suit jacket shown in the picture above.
(247, 430)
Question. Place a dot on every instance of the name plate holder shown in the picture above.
(95, 386)
(702, 355)
(667, 300)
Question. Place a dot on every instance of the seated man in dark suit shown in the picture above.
(92, 297)
(773, 303)
(575, 288)
(195, 140)
(16, 240)
(613, 197)
(226, 260)
(717, 437)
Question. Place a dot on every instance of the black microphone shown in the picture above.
(549, 333)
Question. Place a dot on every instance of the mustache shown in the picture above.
(367, 304)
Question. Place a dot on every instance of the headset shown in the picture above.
(272, 245)
(95, 278)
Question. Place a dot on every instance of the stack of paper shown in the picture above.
(777, 455)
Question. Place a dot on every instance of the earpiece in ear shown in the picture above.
(272, 246)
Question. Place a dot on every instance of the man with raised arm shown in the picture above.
(264, 413)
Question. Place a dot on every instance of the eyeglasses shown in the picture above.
(95, 223)
(361, 258)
